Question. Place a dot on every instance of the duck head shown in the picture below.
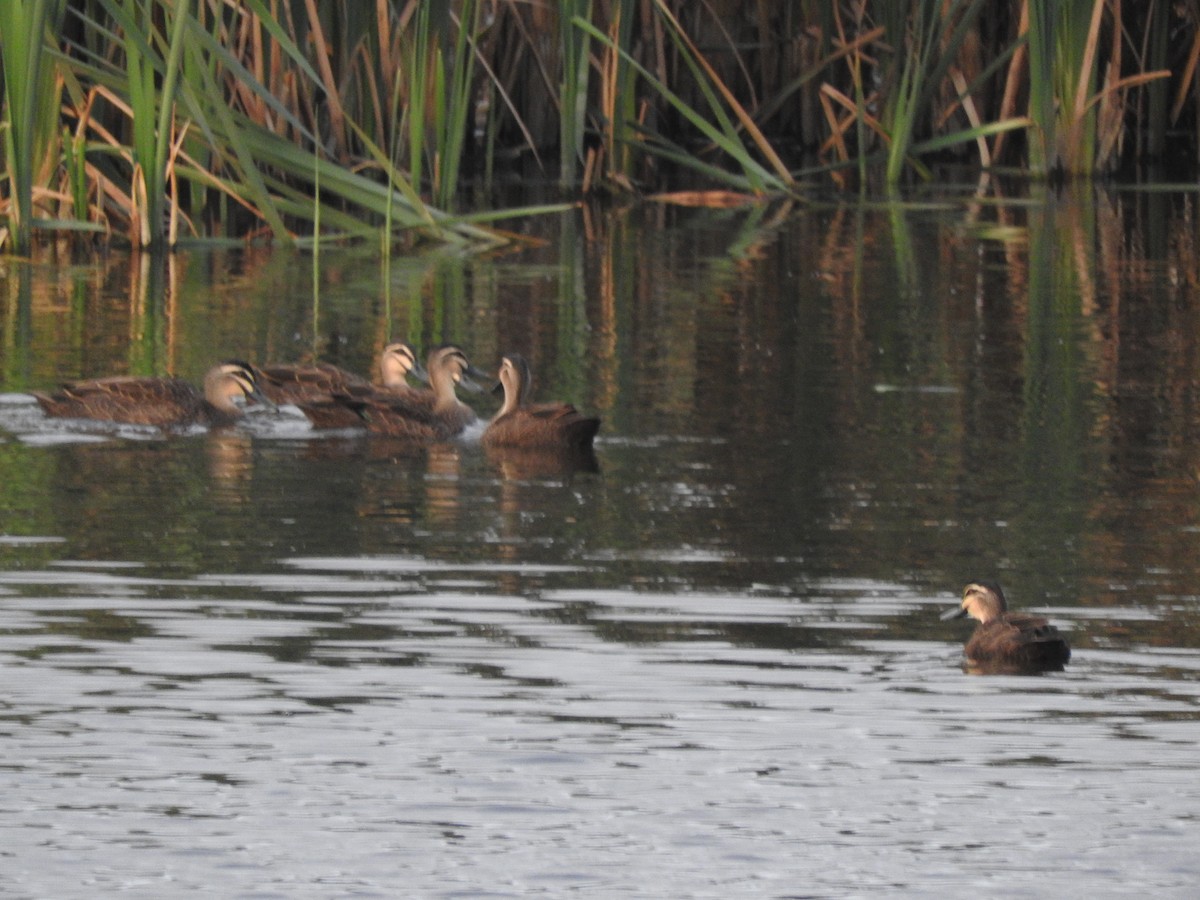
(397, 362)
(448, 365)
(231, 385)
(982, 600)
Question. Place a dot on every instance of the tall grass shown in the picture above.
(30, 106)
(1077, 95)
(576, 67)
(152, 80)
(160, 121)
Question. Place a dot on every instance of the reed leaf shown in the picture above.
(454, 106)
(930, 36)
(574, 88)
(696, 61)
(157, 95)
(30, 104)
(724, 137)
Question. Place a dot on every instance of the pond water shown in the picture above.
(263, 662)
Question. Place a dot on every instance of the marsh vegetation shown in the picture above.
(153, 122)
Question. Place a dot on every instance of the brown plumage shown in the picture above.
(326, 393)
(164, 402)
(432, 415)
(282, 383)
(1005, 641)
(542, 425)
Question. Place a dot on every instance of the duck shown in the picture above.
(164, 402)
(286, 383)
(428, 415)
(324, 392)
(519, 424)
(1005, 641)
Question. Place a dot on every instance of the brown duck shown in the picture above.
(1005, 641)
(323, 391)
(541, 425)
(292, 384)
(432, 415)
(165, 402)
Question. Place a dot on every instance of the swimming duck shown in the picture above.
(164, 402)
(1004, 641)
(324, 392)
(541, 425)
(294, 384)
(435, 414)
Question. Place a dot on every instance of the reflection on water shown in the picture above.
(707, 662)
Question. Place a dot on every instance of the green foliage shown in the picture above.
(574, 87)
(166, 120)
(30, 105)
(926, 38)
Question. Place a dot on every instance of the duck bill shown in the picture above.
(958, 612)
(467, 382)
(472, 377)
(258, 397)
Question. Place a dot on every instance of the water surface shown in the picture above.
(263, 662)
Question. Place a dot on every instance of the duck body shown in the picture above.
(519, 424)
(297, 384)
(1008, 642)
(331, 397)
(424, 415)
(162, 402)
(286, 383)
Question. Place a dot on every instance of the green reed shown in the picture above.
(152, 80)
(927, 37)
(1078, 116)
(159, 120)
(30, 106)
(722, 123)
(574, 88)
(440, 80)
(453, 105)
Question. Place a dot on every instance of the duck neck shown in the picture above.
(442, 383)
(512, 399)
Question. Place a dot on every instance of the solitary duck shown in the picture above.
(434, 414)
(164, 402)
(1004, 641)
(296, 384)
(542, 425)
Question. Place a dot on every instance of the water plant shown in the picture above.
(30, 107)
(163, 121)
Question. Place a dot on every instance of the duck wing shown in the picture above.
(542, 425)
(1018, 643)
(290, 384)
(411, 414)
(127, 399)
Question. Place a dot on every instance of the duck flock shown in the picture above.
(333, 398)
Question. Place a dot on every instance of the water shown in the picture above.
(263, 663)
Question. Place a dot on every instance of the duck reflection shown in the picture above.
(230, 465)
(442, 479)
(525, 463)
